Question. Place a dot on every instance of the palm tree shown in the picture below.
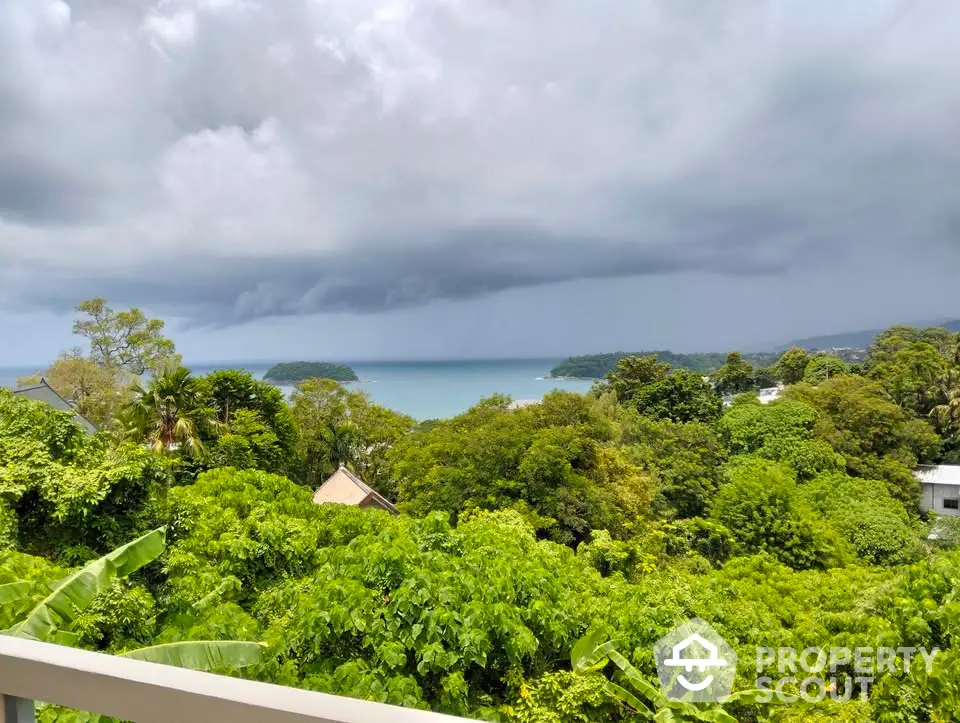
(948, 412)
(341, 440)
(169, 412)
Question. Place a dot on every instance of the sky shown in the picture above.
(390, 179)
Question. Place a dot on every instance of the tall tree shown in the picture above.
(760, 506)
(912, 376)
(125, 340)
(169, 412)
(254, 422)
(735, 376)
(823, 367)
(634, 373)
(686, 459)
(542, 459)
(947, 413)
(896, 338)
(764, 377)
(681, 396)
(339, 426)
(791, 365)
(878, 439)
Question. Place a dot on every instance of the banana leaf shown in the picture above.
(591, 651)
(13, 591)
(202, 654)
(76, 591)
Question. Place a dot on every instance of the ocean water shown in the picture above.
(424, 390)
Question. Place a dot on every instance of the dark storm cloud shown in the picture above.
(35, 191)
(463, 265)
(232, 159)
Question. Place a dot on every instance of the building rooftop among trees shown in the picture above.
(43, 392)
(345, 488)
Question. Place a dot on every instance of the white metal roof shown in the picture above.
(938, 474)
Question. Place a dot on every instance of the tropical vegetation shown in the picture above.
(540, 552)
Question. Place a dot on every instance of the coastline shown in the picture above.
(294, 382)
(570, 379)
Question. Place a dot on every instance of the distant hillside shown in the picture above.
(292, 372)
(596, 366)
(857, 339)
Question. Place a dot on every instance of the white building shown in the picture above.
(940, 488)
(765, 396)
(769, 394)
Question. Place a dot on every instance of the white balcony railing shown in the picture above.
(148, 693)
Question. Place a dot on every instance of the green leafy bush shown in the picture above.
(761, 508)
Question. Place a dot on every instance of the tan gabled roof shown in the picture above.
(346, 488)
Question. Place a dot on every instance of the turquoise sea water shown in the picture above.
(424, 390)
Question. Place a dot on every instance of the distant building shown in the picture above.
(940, 488)
(769, 394)
(43, 392)
(345, 488)
(521, 403)
(765, 396)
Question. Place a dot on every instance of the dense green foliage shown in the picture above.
(65, 494)
(541, 550)
(823, 366)
(291, 372)
(337, 426)
(877, 439)
(792, 365)
(735, 376)
(650, 387)
(597, 366)
(554, 460)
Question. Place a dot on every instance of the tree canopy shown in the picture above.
(650, 387)
(125, 340)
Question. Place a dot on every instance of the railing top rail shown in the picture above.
(150, 693)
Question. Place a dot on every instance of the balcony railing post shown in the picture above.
(16, 710)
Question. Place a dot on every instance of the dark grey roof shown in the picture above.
(43, 392)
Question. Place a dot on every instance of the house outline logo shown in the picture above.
(713, 660)
(695, 664)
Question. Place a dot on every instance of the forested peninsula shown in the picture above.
(293, 372)
(596, 366)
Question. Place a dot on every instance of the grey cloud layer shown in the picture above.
(232, 159)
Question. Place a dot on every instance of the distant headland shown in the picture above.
(293, 372)
(596, 366)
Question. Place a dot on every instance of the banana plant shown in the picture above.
(594, 651)
(13, 591)
(50, 619)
